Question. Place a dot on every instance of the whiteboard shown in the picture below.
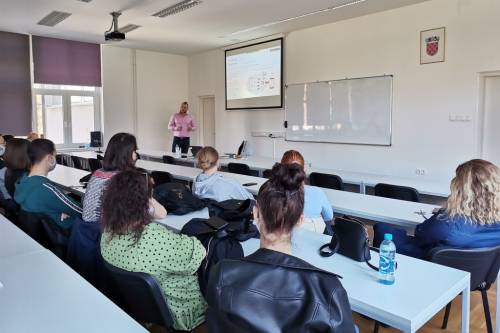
(356, 111)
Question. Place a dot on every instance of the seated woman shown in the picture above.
(271, 290)
(121, 154)
(470, 219)
(316, 204)
(131, 242)
(17, 165)
(211, 184)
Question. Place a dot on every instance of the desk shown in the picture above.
(14, 242)
(68, 178)
(397, 212)
(361, 179)
(42, 294)
(402, 305)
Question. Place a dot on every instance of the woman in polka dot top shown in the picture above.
(131, 242)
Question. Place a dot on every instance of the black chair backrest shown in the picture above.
(60, 159)
(100, 157)
(239, 168)
(78, 162)
(326, 180)
(161, 177)
(141, 296)
(94, 164)
(483, 263)
(266, 173)
(397, 192)
(168, 159)
(45, 231)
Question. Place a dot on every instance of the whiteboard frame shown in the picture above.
(336, 80)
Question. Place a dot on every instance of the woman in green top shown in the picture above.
(131, 242)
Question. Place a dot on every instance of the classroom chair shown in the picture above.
(161, 177)
(397, 192)
(46, 232)
(266, 173)
(169, 160)
(100, 157)
(325, 180)
(483, 265)
(60, 159)
(140, 296)
(239, 168)
(79, 163)
(94, 164)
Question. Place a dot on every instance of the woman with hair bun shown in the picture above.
(271, 290)
(210, 184)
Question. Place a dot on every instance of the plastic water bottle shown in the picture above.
(177, 151)
(387, 261)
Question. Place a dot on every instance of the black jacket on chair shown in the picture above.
(272, 292)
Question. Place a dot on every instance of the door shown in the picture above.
(208, 109)
(491, 122)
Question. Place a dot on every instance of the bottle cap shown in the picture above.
(388, 237)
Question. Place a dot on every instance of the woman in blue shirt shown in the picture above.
(316, 204)
(470, 219)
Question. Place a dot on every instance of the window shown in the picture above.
(67, 114)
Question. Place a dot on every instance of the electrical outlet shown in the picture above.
(420, 172)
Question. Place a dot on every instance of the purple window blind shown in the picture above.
(15, 84)
(60, 61)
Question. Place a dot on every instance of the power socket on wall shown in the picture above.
(420, 172)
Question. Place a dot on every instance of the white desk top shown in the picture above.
(14, 242)
(424, 186)
(68, 177)
(42, 294)
(401, 305)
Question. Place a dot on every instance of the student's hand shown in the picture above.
(64, 216)
(156, 210)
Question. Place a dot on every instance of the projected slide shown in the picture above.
(253, 76)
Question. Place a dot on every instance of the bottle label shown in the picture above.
(386, 265)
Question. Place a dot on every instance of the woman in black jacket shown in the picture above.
(272, 291)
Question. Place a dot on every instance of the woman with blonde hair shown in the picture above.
(470, 218)
(211, 184)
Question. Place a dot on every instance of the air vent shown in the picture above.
(177, 8)
(84, 0)
(54, 18)
(129, 28)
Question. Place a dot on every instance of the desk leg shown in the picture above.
(497, 311)
(465, 309)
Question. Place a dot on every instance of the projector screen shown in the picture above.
(254, 76)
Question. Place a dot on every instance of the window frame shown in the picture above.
(66, 105)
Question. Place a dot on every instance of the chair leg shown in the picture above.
(446, 316)
(486, 307)
(376, 327)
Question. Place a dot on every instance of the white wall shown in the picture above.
(117, 91)
(162, 85)
(141, 89)
(382, 43)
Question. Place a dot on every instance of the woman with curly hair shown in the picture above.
(132, 242)
(470, 219)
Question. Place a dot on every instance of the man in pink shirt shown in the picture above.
(181, 124)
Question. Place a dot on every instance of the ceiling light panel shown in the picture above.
(54, 18)
(177, 8)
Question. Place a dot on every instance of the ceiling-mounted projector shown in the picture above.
(113, 34)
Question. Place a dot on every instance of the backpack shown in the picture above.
(220, 244)
(177, 198)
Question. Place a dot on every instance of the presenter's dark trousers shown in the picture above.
(183, 143)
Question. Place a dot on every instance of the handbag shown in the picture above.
(350, 239)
